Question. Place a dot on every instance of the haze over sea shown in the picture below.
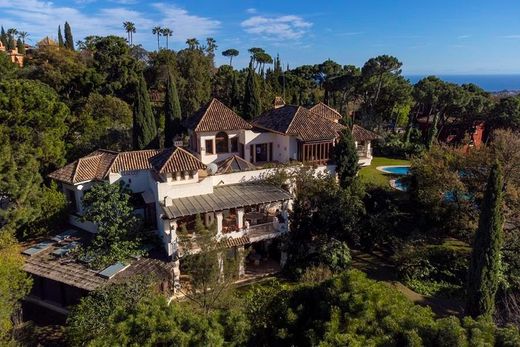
(490, 83)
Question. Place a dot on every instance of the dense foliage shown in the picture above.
(118, 228)
(14, 283)
(352, 310)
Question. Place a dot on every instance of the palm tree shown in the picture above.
(130, 29)
(23, 35)
(157, 31)
(11, 33)
(192, 43)
(166, 32)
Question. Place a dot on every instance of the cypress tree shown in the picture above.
(20, 46)
(144, 127)
(252, 105)
(346, 158)
(235, 93)
(69, 42)
(172, 112)
(485, 259)
(60, 37)
(3, 37)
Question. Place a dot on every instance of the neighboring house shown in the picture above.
(220, 177)
(16, 57)
(457, 132)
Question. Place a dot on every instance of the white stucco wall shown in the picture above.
(211, 158)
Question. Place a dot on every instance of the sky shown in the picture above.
(429, 37)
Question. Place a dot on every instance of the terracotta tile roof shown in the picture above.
(175, 160)
(234, 164)
(98, 164)
(215, 116)
(133, 160)
(326, 111)
(298, 121)
(362, 134)
(93, 166)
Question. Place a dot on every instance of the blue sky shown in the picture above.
(441, 37)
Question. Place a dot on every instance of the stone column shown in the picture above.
(221, 265)
(241, 261)
(219, 218)
(176, 276)
(240, 218)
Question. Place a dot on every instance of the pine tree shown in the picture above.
(69, 42)
(172, 112)
(60, 37)
(144, 127)
(485, 259)
(252, 105)
(3, 37)
(20, 46)
(346, 158)
(432, 134)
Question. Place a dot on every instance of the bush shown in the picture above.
(394, 147)
(351, 310)
(316, 274)
(335, 255)
(434, 269)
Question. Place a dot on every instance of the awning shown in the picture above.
(224, 198)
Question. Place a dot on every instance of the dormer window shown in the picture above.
(222, 142)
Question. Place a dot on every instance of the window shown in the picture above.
(209, 147)
(190, 174)
(183, 175)
(234, 144)
(222, 142)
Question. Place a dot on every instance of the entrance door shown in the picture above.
(261, 152)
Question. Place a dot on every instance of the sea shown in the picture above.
(490, 83)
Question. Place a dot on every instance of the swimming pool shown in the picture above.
(400, 184)
(399, 170)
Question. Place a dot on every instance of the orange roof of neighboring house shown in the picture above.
(215, 116)
(98, 164)
(326, 111)
(298, 121)
(361, 134)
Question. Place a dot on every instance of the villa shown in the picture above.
(219, 176)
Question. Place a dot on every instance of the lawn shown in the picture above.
(370, 175)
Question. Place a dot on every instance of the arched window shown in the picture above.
(222, 142)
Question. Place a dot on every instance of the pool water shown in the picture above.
(396, 170)
(401, 185)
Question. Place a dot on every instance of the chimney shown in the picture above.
(278, 102)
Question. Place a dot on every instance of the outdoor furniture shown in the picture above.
(254, 217)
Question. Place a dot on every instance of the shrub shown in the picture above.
(335, 255)
(316, 274)
(393, 146)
